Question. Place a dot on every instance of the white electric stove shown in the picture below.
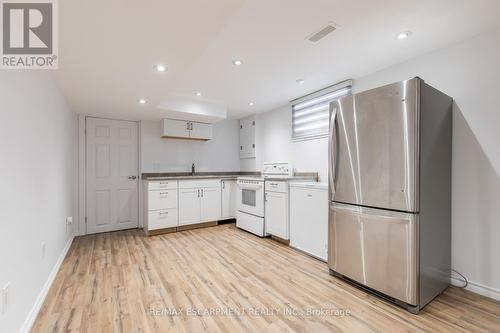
(251, 192)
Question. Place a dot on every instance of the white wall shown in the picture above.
(273, 142)
(37, 146)
(469, 72)
(174, 155)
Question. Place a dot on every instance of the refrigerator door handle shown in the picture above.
(332, 151)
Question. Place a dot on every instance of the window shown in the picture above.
(310, 114)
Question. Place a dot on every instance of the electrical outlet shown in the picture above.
(43, 249)
(4, 302)
(69, 222)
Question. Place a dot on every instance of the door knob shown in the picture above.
(132, 177)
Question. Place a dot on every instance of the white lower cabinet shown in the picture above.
(276, 209)
(162, 219)
(199, 201)
(160, 205)
(210, 204)
(309, 218)
(172, 203)
(229, 190)
(189, 206)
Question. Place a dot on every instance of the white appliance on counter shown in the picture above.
(309, 218)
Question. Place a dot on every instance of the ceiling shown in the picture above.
(108, 48)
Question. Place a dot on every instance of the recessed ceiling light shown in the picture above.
(403, 35)
(251, 103)
(198, 93)
(237, 62)
(160, 68)
(300, 81)
(142, 101)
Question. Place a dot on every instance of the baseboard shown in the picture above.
(478, 288)
(30, 320)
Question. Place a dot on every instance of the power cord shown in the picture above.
(464, 279)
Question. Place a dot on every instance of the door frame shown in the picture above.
(81, 230)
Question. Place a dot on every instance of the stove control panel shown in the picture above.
(283, 169)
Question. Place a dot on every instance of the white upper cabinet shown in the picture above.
(247, 137)
(181, 129)
(175, 128)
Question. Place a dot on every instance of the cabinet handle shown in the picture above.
(187, 126)
(191, 126)
(223, 184)
(202, 193)
(198, 193)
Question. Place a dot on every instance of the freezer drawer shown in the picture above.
(377, 248)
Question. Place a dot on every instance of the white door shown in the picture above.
(229, 194)
(189, 206)
(277, 214)
(112, 175)
(200, 131)
(210, 204)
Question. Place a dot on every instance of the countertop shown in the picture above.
(299, 176)
(197, 175)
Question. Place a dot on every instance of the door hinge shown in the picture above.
(85, 219)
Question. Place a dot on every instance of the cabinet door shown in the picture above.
(277, 214)
(200, 131)
(210, 204)
(229, 194)
(309, 221)
(247, 137)
(189, 206)
(175, 128)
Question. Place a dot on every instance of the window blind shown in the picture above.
(310, 114)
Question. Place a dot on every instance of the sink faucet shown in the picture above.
(192, 169)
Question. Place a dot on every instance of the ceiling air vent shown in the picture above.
(322, 33)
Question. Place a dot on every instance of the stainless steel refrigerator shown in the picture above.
(390, 191)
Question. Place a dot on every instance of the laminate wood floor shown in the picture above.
(222, 279)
